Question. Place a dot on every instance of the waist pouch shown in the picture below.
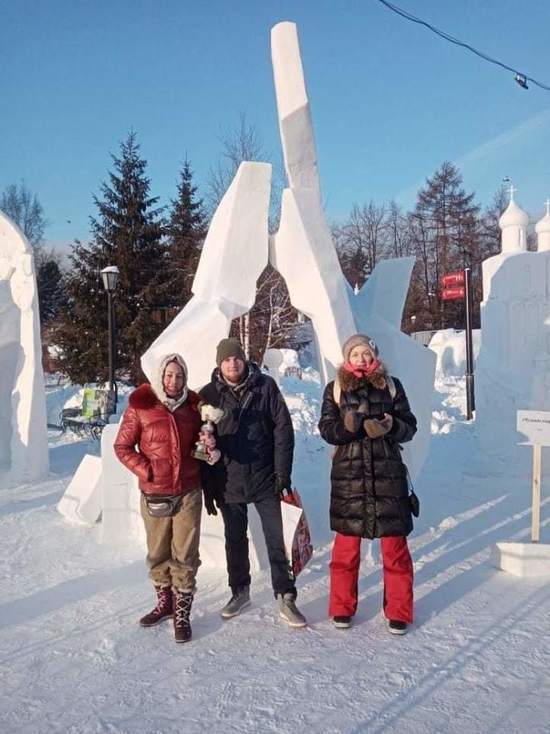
(163, 506)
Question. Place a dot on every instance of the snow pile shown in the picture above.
(449, 346)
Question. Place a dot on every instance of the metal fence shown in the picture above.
(424, 337)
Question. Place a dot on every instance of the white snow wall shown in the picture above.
(23, 429)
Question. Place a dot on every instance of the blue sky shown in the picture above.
(390, 100)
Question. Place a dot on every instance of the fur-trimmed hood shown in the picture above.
(145, 398)
(349, 382)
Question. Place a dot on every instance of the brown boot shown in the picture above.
(182, 610)
(163, 610)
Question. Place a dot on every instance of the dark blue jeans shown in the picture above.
(235, 519)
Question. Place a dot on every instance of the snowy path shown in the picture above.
(72, 658)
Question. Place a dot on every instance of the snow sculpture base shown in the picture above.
(525, 560)
(82, 500)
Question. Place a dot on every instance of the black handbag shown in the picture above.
(414, 502)
(163, 506)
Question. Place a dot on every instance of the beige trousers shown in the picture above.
(173, 543)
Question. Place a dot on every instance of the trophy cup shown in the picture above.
(205, 448)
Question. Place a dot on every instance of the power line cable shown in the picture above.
(520, 77)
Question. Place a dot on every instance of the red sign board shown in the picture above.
(453, 279)
(452, 294)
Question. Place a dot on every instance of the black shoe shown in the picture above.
(342, 622)
(397, 627)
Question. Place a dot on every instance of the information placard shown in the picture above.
(535, 426)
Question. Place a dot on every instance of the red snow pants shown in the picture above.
(398, 577)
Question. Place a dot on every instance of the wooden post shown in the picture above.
(535, 509)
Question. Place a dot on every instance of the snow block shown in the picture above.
(81, 502)
(522, 559)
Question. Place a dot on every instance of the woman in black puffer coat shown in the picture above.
(366, 415)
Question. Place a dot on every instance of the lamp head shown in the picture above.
(109, 276)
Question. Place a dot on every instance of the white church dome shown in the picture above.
(513, 216)
(543, 230)
(543, 225)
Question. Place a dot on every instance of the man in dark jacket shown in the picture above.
(256, 439)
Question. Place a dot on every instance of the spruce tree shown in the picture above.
(445, 228)
(186, 230)
(127, 232)
(51, 293)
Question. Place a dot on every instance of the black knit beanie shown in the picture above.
(229, 347)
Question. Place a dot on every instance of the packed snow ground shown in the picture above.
(73, 659)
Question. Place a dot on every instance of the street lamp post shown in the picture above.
(109, 276)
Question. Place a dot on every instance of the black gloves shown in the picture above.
(282, 484)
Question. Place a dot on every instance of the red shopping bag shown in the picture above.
(301, 550)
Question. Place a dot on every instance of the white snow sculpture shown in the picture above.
(303, 245)
(513, 368)
(82, 501)
(23, 432)
(235, 253)
(233, 257)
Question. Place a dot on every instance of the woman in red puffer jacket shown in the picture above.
(155, 441)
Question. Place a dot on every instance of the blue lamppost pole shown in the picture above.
(109, 276)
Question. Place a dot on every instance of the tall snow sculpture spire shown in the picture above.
(513, 223)
(543, 230)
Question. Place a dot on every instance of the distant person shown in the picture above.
(155, 441)
(256, 440)
(366, 415)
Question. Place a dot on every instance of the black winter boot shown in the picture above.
(163, 610)
(182, 609)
